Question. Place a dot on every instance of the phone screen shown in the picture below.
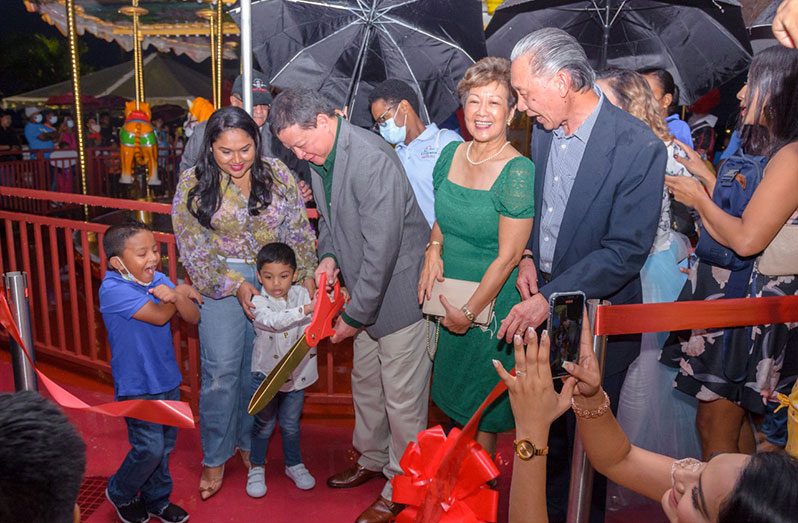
(565, 329)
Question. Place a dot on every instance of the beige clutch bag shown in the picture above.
(458, 292)
(781, 256)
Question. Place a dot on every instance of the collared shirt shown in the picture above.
(565, 156)
(679, 129)
(325, 171)
(238, 234)
(279, 323)
(419, 158)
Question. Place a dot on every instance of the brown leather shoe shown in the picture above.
(353, 477)
(381, 511)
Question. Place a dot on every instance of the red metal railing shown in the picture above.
(65, 262)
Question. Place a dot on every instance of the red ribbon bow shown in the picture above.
(462, 497)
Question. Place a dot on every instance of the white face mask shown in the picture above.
(188, 127)
(95, 127)
(70, 124)
(37, 118)
(53, 120)
(129, 277)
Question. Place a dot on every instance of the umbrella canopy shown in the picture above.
(166, 81)
(343, 48)
(761, 30)
(702, 43)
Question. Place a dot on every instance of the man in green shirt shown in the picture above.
(371, 229)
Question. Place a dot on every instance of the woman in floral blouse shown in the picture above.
(225, 208)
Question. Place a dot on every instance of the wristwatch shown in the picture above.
(527, 255)
(433, 242)
(527, 450)
(468, 314)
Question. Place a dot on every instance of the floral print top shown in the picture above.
(237, 234)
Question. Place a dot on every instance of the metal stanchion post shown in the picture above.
(581, 487)
(16, 284)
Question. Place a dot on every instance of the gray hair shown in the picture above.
(298, 107)
(551, 50)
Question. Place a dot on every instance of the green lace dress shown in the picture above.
(463, 374)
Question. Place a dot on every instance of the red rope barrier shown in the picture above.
(659, 317)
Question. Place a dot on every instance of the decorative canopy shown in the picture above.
(170, 25)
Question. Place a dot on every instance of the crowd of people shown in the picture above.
(405, 208)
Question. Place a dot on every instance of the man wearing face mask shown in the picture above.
(270, 146)
(39, 136)
(394, 107)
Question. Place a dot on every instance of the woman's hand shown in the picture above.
(695, 165)
(455, 320)
(686, 190)
(244, 294)
(533, 399)
(586, 375)
(430, 272)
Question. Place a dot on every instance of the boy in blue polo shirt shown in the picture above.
(137, 302)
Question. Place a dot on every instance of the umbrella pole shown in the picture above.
(357, 72)
(74, 57)
(605, 36)
(246, 53)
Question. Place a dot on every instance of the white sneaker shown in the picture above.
(302, 478)
(256, 482)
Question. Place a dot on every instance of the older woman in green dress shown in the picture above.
(484, 208)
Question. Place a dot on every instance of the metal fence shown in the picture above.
(65, 262)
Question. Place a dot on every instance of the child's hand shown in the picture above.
(189, 292)
(345, 294)
(164, 293)
(310, 306)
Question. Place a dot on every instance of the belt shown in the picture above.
(545, 276)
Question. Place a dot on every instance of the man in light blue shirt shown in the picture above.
(394, 107)
(38, 134)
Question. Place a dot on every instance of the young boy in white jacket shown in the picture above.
(282, 312)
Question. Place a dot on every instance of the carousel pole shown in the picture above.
(209, 15)
(246, 53)
(74, 57)
(219, 57)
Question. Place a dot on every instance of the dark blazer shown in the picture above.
(376, 232)
(610, 219)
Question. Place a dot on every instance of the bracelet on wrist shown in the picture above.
(468, 314)
(527, 256)
(591, 413)
(433, 242)
(238, 286)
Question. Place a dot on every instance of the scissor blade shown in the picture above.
(270, 386)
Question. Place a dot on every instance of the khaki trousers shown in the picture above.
(390, 391)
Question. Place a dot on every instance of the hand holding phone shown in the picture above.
(565, 329)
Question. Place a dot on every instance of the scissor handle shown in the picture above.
(324, 312)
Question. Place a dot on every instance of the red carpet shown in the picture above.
(326, 449)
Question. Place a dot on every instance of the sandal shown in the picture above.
(210, 481)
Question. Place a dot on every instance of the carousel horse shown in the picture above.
(138, 143)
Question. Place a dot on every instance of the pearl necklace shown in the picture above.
(489, 158)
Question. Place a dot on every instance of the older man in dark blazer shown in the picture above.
(598, 188)
(373, 231)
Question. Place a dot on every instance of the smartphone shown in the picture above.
(565, 329)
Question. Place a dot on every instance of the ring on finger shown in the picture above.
(520, 373)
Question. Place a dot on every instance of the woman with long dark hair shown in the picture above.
(666, 93)
(224, 209)
(761, 360)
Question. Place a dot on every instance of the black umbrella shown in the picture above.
(344, 48)
(761, 31)
(703, 43)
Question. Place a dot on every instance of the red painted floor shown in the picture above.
(326, 448)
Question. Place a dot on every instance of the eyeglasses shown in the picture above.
(379, 122)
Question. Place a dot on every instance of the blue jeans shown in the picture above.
(145, 469)
(226, 340)
(287, 407)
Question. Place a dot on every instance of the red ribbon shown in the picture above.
(467, 500)
(712, 314)
(164, 412)
(444, 478)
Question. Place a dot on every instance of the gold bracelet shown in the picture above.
(468, 314)
(591, 413)
(433, 242)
